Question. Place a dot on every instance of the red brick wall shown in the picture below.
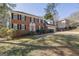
(16, 21)
(37, 24)
(27, 23)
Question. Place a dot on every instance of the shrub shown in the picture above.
(41, 31)
(7, 33)
(10, 33)
(50, 31)
(31, 33)
(3, 32)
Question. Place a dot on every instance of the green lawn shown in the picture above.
(36, 45)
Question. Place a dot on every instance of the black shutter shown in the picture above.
(20, 26)
(12, 25)
(18, 16)
(30, 19)
(11, 15)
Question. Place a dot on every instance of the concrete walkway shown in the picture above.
(67, 33)
(3, 39)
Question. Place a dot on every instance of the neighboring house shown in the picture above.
(62, 24)
(50, 26)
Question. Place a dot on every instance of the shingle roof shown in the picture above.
(27, 13)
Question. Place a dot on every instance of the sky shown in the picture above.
(64, 9)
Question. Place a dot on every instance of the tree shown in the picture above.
(50, 12)
(4, 11)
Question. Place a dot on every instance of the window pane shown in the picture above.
(25, 18)
(34, 20)
(20, 27)
(15, 26)
(14, 16)
(23, 26)
(18, 16)
(30, 19)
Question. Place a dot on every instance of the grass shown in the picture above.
(35, 45)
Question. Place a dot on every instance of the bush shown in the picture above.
(7, 33)
(31, 33)
(41, 31)
(10, 33)
(50, 31)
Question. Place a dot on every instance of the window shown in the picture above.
(20, 17)
(15, 26)
(23, 26)
(20, 26)
(30, 19)
(14, 16)
(23, 17)
(34, 20)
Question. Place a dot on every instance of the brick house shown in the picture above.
(24, 22)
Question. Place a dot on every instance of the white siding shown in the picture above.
(62, 24)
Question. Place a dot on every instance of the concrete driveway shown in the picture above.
(67, 33)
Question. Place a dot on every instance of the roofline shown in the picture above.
(27, 13)
(62, 20)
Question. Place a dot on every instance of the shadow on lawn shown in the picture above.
(15, 51)
(65, 40)
(68, 39)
